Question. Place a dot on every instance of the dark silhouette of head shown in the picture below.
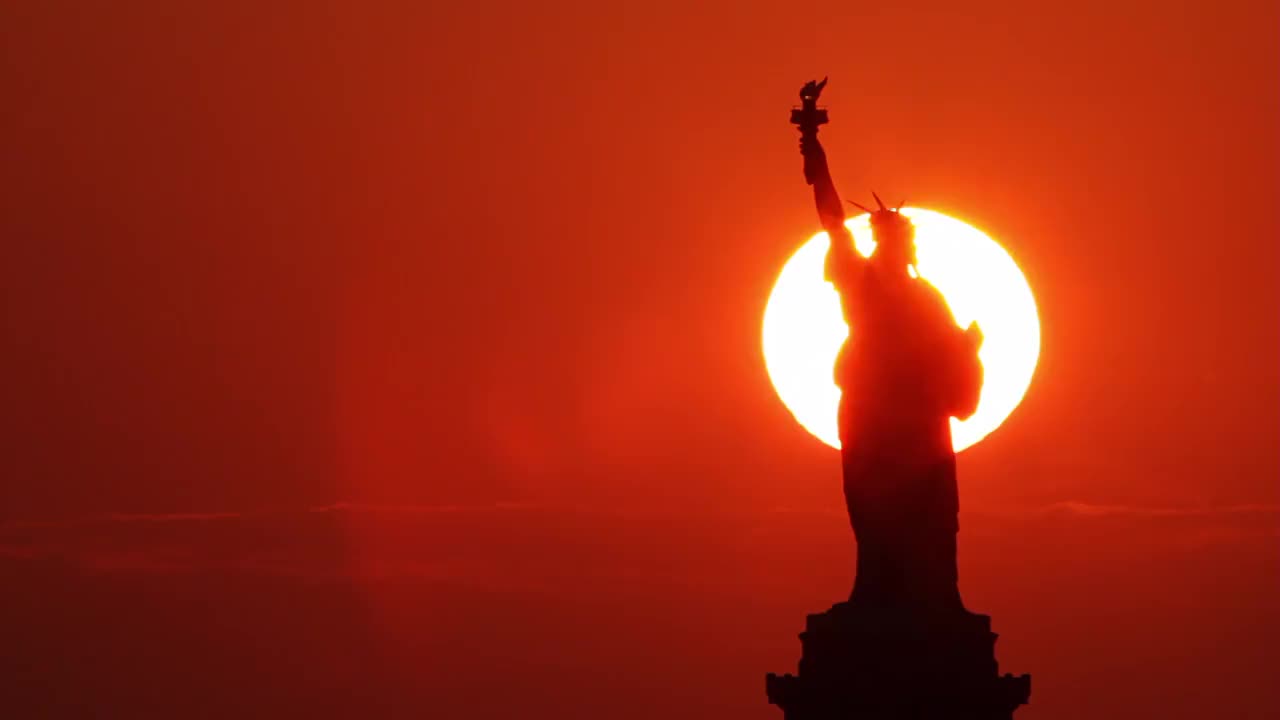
(895, 236)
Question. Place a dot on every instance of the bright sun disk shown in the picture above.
(804, 328)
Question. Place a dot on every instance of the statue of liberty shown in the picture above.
(903, 647)
(904, 372)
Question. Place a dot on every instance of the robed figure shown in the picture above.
(906, 369)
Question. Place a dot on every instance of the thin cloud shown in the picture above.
(1095, 510)
(286, 543)
(1069, 507)
(193, 517)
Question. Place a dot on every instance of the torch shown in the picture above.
(808, 118)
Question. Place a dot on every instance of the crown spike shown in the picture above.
(878, 200)
(899, 208)
(860, 206)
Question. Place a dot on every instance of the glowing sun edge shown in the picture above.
(803, 327)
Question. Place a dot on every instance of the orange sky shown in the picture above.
(497, 271)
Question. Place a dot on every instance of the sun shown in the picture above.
(803, 326)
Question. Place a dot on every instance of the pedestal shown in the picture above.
(859, 664)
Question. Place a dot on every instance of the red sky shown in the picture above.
(405, 360)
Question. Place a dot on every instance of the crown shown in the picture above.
(884, 214)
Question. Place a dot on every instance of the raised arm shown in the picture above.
(843, 261)
(825, 197)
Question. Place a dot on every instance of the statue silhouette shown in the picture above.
(905, 370)
(903, 645)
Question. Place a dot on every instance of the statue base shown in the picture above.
(861, 664)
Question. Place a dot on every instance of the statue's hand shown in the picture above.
(812, 89)
(811, 148)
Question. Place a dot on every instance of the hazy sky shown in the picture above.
(395, 354)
